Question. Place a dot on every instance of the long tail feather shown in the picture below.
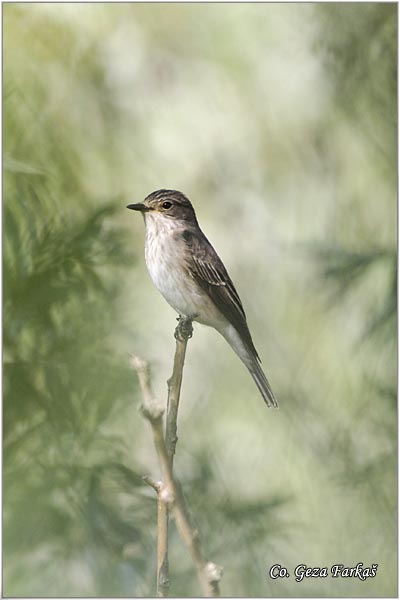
(262, 383)
(248, 355)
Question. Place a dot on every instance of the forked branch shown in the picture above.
(169, 491)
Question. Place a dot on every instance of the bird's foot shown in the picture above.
(184, 330)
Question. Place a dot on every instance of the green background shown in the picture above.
(279, 122)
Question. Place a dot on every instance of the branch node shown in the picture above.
(151, 408)
(213, 572)
(156, 485)
(151, 413)
(167, 495)
(163, 578)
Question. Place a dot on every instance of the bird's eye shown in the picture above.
(167, 205)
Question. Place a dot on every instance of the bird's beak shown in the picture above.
(139, 206)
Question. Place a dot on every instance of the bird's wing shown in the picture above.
(208, 270)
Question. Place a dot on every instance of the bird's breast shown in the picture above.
(167, 262)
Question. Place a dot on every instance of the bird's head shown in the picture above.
(168, 205)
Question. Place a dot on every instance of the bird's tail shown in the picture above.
(262, 383)
(248, 355)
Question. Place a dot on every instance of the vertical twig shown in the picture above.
(153, 411)
(162, 539)
(162, 548)
(183, 333)
(169, 492)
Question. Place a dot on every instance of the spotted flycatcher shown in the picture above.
(192, 278)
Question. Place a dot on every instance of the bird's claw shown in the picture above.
(184, 329)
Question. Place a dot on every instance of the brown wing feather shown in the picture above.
(209, 272)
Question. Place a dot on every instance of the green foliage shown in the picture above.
(359, 50)
(280, 122)
(66, 385)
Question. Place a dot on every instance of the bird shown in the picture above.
(192, 278)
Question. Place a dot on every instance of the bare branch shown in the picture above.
(183, 333)
(153, 411)
(169, 492)
(151, 407)
(208, 573)
(156, 485)
(162, 548)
